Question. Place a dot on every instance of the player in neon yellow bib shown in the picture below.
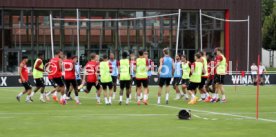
(106, 80)
(221, 68)
(38, 70)
(195, 78)
(186, 70)
(124, 76)
(141, 71)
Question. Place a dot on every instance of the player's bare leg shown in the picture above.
(63, 95)
(159, 95)
(223, 97)
(146, 96)
(114, 89)
(178, 93)
(193, 97)
(128, 95)
(105, 97)
(184, 90)
(216, 95)
(110, 95)
(139, 90)
(28, 98)
(167, 94)
(121, 96)
(99, 95)
(68, 94)
(20, 95)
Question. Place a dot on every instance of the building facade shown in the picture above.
(25, 29)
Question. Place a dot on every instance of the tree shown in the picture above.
(269, 34)
(267, 8)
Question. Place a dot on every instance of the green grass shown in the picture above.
(89, 119)
(271, 69)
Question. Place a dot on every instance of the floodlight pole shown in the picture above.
(200, 28)
(78, 35)
(51, 31)
(248, 41)
(177, 31)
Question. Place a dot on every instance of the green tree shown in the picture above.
(267, 8)
(269, 34)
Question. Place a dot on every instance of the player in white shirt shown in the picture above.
(254, 70)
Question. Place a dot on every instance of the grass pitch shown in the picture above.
(236, 118)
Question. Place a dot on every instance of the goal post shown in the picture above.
(78, 20)
(227, 20)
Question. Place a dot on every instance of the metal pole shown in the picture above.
(51, 31)
(78, 35)
(248, 41)
(177, 31)
(200, 29)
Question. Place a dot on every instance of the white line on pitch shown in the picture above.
(218, 113)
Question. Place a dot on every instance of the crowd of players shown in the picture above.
(206, 74)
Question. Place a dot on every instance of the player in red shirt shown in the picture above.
(48, 68)
(210, 80)
(70, 76)
(56, 72)
(91, 76)
(24, 80)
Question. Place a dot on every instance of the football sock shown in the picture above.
(32, 94)
(121, 98)
(202, 96)
(158, 100)
(110, 100)
(193, 96)
(55, 93)
(127, 100)
(207, 94)
(223, 97)
(145, 97)
(167, 96)
(105, 100)
(186, 95)
(77, 98)
(20, 94)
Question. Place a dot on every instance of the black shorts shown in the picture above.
(163, 81)
(114, 80)
(139, 83)
(176, 81)
(210, 81)
(27, 85)
(254, 76)
(53, 83)
(39, 82)
(185, 82)
(89, 85)
(59, 82)
(105, 85)
(133, 81)
(78, 82)
(202, 83)
(125, 84)
(219, 79)
(193, 86)
(68, 83)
